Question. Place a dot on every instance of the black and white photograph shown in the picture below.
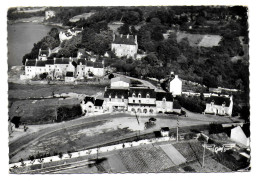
(128, 89)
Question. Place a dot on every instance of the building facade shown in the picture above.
(176, 86)
(219, 105)
(124, 45)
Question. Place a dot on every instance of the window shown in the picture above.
(164, 100)
(147, 95)
(116, 96)
(139, 101)
(133, 95)
(110, 98)
(139, 95)
(122, 98)
(133, 101)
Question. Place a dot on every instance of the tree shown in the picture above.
(54, 32)
(125, 29)
(111, 76)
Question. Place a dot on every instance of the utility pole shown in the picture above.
(203, 157)
(177, 128)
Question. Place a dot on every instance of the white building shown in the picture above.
(142, 100)
(98, 69)
(124, 45)
(164, 102)
(30, 68)
(176, 86)
(219, 105)
(49, 14)
(120, 82)
(115, 100)
(238, 135)
(44, 54)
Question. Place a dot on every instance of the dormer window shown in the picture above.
(116, 96)
(122, 98)
(164, 99)
(139, 95)
(133, 95)
(147, 95)
(110, 98)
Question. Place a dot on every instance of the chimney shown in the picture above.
(127, 36)
(121, 35)
(136, 39)
(114, 36)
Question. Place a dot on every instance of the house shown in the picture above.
(30, 68)
(176, 86)
(165, 131)
(142, 100)
(61, 65)
(98, 69)
(124, 45)
(238, 135)
(69, 77)
(80, 70)
(50, 67)
(40, 67)
(49, 14)
(120, 82)
(44, 54)
(92, 105)
(116, 99)
(164, 102)
(219, 105)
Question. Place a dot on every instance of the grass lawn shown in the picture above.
(42, 111)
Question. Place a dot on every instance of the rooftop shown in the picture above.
(30, 63)
(166, 95)
(143, 91)
(218, 100)
(116, 92)
(119, 78)
(124, 39)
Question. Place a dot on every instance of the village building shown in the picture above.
(219, 105)
(81, 68)
(92, 105)
(165, 131)
(40, 67)
(68, 34)
(44, 54)
(30, 68)
(115, 99)
(98, 69)
(142, 100)
(120, 82)
(124, 45)
(238, 135)
(176, 86)
(69, 77)
(49, 14)
(164, 102)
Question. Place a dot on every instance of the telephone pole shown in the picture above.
(177, 128)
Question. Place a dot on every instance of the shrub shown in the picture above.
(68, 112)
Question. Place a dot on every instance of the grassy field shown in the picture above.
(27, 101)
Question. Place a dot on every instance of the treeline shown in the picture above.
(50, 41)
(13, 15)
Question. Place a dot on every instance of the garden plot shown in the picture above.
(191, 150)
(116, 164)
(173, 154)
(145, 159)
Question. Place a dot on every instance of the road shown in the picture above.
(144, 82)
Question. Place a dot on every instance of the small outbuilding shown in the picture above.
(165, 131)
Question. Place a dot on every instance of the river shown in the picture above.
(21, 37)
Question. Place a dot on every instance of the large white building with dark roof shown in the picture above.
(124, 45)
(219, 105)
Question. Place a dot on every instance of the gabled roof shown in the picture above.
(89, 99)
(165, 129)
(40, 63)
(62, 61)
(98, 65)
(69, 74)
(218, 100)
(124, 40)
(89, 64)
(119, 78)
(143, 91)
(166, 95)
(30, 63)
(98, 102)
(50, 62)
(118, 92)
(46, 52)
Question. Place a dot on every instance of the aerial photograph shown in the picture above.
(128, 89)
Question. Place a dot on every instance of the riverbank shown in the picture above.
(37, 19)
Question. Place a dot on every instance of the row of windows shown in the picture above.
(139, 95)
